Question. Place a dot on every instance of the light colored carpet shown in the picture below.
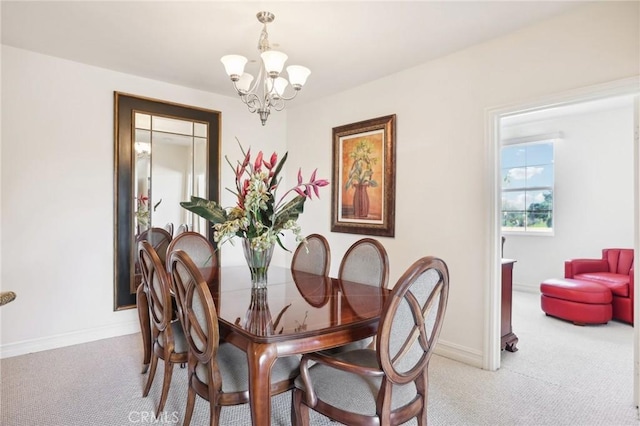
(561, 375)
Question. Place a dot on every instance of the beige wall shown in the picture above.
(58, 194)
(443, 170)
(57, 167)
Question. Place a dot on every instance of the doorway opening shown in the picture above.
(619, 94)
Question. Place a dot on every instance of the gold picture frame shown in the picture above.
(363, 185)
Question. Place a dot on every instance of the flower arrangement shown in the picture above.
(259, 215)
(142, 210)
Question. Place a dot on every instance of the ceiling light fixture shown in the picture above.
(268, 89)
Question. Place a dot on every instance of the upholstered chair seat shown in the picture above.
(352, 392)
(180, 343)
(232, 363)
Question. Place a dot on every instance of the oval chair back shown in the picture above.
(167, 338)
(387, 385)
(199, 249)
(218, 372)
(365, 262)
(159, 239)
(313, 257)
(411, 323)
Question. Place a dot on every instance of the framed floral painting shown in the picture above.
(363, 186)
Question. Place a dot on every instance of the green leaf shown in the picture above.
(209, 210)
(373, 183)
(274, 179)
(289, 211)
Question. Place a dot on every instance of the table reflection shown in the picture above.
(294, 302)
(257, 319)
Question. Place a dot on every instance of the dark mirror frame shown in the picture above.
(124, 107)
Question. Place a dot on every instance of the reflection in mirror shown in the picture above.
(177, 169)
(165, 153)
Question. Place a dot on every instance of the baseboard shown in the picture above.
(526, 288)
(67, 339)
(459, 353)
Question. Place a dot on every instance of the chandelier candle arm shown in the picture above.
(268, 89)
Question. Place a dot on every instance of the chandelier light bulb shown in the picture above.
(298, 75)
(244, 82)
(273, 62)
(234, 65)
(280, 84)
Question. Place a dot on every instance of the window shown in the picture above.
(527, 187)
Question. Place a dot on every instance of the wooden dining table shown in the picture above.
(298, 313)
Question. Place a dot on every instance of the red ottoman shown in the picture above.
(582, 302)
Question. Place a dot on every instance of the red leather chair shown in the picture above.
(614, 270)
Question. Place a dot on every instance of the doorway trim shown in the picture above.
(493, 115)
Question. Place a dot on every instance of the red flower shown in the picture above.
(258, 165)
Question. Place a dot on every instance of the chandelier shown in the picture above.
(268, 89)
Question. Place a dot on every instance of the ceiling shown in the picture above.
(570, 109)
(345, 44)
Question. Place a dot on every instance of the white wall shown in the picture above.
(442, 170)
(58, 193)
(593, 193)
(57, 167)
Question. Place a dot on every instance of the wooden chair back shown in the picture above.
(182, 228)
(206, 371)
(312, 256)
(157, 286)
(412, 319)
(167, 338)
(159, 239)
(390, 381)
(199, 317)
(366, 262)
(199, 249)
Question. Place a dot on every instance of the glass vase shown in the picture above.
(258, 262)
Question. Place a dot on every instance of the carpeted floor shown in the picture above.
(561, 375)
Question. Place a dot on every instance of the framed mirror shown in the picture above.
(164, 154)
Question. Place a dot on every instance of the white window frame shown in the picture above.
(528, 141)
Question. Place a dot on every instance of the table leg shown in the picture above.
(145, 325)
(260, 358)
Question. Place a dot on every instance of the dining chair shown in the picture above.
(159, 239)
(167, 337)
(217, 372)
(387, 385)
(312, 256)
(182, 228)
(169, 228)
(199, 249)
(365, 262)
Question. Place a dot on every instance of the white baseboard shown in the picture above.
(459, 353)
(443, 348)
(67, 339)
(526, 288)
